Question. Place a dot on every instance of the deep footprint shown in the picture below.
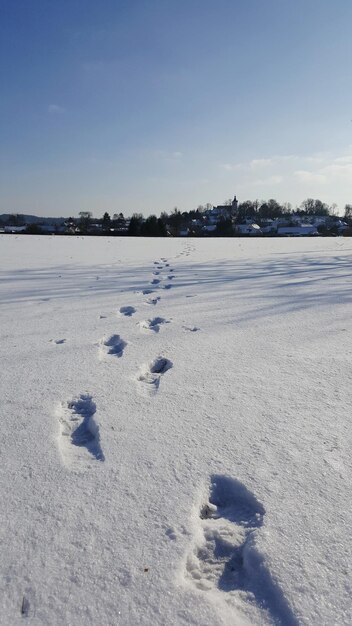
(226, 557)
(150, 374)
(153, 324)
(79, 439)
(127, 310)
(153, 301)
(113, 345)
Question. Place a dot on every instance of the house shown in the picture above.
(268, 226)
(299, 230)
(15, 229)
(248, 229)
(209, 228)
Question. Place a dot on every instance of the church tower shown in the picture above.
(234, 205)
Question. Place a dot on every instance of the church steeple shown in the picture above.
(234, 204)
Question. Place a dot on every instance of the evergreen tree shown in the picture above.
(106, 222)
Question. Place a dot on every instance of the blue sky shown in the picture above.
(143, 105)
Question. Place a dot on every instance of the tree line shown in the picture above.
(175, 221)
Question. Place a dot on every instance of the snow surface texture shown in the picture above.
(175, 452)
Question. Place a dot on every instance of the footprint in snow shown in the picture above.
(79, 440)
(112, 345)
(153, 301)
(153, 324)
(128, 311)
(155, 281)
(58, 341)
(27, 608)
(145, 292)
(149, 375)
(168, 286)
(224, 556)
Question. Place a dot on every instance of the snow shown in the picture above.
(182, 455)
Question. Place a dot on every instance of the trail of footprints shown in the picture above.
(222, 557)
(79, 439)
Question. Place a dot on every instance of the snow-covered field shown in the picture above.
(175, 431)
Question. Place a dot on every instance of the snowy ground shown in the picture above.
(181, 456)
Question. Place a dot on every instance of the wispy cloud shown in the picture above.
(337, 170)
(167, 154)
(322, 168)
(293, 177)
(270, 181)
(304, 176)
(56, 109)
(260, 163)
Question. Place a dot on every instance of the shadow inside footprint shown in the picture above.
(150, 374)
(115, 345)
(127, 310)
(86, 433)
(153, 324)
(231, 500)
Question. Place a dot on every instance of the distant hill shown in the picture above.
(32, 219)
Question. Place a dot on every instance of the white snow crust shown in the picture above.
(175, 431)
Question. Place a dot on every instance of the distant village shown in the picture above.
(231, 219)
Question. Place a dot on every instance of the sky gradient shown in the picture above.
(144, 105)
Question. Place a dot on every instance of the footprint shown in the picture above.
(145, 292)
(128, 311)
(224, 556)
(170, 277)
(166, 286)
(25, 607)
(155, 281)
(156, 273)
(79, 440)
(153, 324)
(112, 345)
(58, 341)
(28, 603)
(153, 300)
(150, 374)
